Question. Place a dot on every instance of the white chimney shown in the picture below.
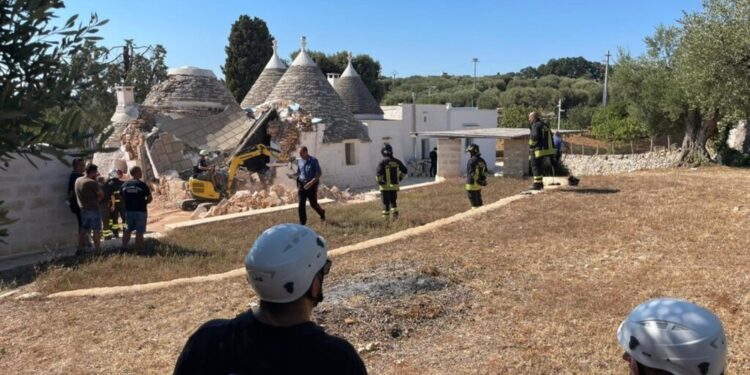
(332, 78)
(127, 109)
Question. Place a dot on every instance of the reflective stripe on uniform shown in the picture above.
(473, 187)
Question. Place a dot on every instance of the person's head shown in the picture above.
(303, 153)
(386, 150)
(533, 116)
(557, 133)
(115, 174)
(672, 336)
(78, 165)
(472, 149)
(434, 149)
(92, 171)
(136, 173)
(286, 266)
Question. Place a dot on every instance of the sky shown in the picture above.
(408, 37)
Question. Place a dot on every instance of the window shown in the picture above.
(351, 157)
(425, 149)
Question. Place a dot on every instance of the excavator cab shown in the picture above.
(253, 153)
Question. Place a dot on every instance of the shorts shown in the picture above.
(91, 220)
(136, 221)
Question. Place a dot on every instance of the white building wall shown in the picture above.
(434, 117)
(332, 158)
(35, 197)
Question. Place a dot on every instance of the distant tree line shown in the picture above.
(514, 94)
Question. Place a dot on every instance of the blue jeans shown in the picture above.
(136, 221)
(91, 220)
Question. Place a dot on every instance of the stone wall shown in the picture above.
(449, 157)
(35, 197)
(583, 165)
(516, 157)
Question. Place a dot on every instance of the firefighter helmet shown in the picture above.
(472, 149)
(387, 150)
(676, 336)
(283, 262)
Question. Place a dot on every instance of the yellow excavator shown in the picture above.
(202, 188)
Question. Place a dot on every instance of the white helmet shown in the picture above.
(283, 262)
(204, 153)
(676, 336)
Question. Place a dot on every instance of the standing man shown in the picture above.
(78, 167)
(286, 267)
(476, 175)
(88, 195)
(389, 173)
(104, 208)
(540, 146)
(433, 162)
(558, 142)
(308, 176)
(116, 204)
(137, 196)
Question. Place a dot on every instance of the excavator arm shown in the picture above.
(238, 160)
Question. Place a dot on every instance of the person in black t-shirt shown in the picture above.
(78, 167)
(285, 267)
(137, 196)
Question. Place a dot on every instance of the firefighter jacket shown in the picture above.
(112, 189)
(389, 173)
(540, 140)
(476, 173)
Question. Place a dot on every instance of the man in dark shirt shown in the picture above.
(116, 204)
(308, 176)
(433, 162)
(137, 196)
(286, 267)
(78, 166)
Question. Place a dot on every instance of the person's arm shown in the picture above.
(315, 179)
(403, 170)
(99, 193)
(149, 197)
(470, 171)
(380, 173)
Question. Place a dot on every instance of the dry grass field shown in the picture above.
(536, 287)
(221, 247)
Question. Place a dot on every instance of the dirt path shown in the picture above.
(482, 295)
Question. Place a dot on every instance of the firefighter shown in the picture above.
(541, 146)
(389, 173)
(104, 209)
(476, 175)
(116, 204)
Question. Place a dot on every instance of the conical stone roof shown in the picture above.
(305, 84)
(266, 81)
(355, 94)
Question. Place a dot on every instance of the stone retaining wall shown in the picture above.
(583, 165)
(35, 197)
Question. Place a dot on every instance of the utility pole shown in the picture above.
(475, 61)
(559, 112)
(414, 125)
(606, 79)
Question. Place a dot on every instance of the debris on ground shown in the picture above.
(276, 195)
(169, 190)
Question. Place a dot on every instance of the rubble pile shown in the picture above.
(285, 131)
(276, 195)
(169, 190)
